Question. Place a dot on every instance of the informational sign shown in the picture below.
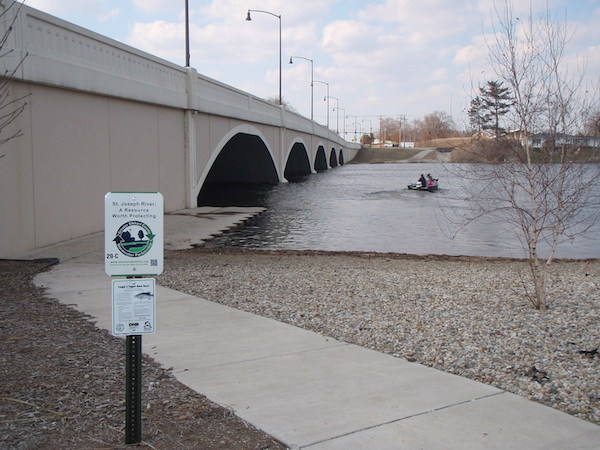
(133, 306)
(133, 233)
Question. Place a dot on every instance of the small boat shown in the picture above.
(420, 187)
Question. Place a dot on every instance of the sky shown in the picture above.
(390, 58)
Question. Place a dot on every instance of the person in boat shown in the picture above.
(422, 181)
(431, 181)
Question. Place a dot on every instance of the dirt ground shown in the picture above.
(63, 383)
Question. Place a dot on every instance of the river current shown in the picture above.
(367, 207)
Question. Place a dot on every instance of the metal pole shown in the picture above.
(342, 109)
(326, 98)
(312, 83)
(355, 119)
(337, 104)
(328, 106)
(187, 35)
(280, 98)
(133, 389)
(279, 17)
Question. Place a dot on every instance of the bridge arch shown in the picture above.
(242, 157)
(298, 162)
(321, 160)
(333, 162)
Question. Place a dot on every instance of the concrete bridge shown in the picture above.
(101, 116)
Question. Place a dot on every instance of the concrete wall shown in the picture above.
(76, 147)
(102, 116)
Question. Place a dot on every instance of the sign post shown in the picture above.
(133, 244)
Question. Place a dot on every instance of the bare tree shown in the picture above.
(436, 125)
(544, 190)
(389, 129)
(592, 125)
(11, 107)
(286, 105)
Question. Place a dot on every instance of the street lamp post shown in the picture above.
(248, 18)
(337, 124)
(342, 109)
(326, 98)
(187, 35)
(311, 80)
(355, 119)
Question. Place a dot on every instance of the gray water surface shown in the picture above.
(367, 207)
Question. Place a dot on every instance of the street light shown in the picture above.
(326, 98)
(355, 119)
(311, 80)
(248, 18)
(342, 109)
(337, 102)
(187, 35)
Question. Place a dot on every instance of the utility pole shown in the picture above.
(401, 118)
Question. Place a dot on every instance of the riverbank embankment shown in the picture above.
(374, 155)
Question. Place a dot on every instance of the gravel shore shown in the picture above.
(468, 316)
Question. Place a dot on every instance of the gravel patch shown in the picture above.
(467, 316)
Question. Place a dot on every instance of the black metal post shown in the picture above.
(133, 389)
(187, 35)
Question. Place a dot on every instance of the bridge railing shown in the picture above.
(212, 96)
(58, 53)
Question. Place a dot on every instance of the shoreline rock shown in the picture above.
(464, 315)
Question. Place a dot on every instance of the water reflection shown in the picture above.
(367, 207)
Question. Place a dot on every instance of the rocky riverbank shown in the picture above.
(468, 316)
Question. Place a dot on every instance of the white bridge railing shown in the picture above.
(57, 53)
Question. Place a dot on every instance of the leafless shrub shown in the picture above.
(544, 188)
(11, 107)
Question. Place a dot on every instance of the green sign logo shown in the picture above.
(134, 239)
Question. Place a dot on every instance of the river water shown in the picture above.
(367, 207)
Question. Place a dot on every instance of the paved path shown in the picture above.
(307, 390)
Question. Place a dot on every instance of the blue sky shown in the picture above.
(380, 58)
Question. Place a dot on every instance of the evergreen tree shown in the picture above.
(487, 109)
(475, 115)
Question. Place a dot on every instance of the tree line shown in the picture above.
(486, 115)
(438, 124)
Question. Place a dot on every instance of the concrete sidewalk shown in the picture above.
(307, 390)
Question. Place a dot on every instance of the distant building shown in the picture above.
(549, 140)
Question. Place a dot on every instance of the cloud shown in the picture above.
(349, 34)
(110, 15)
(425, 21)
(474, 54)
(58, 6)
(159, 38)
(97, 9)
(440, 74)
(154, 6)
